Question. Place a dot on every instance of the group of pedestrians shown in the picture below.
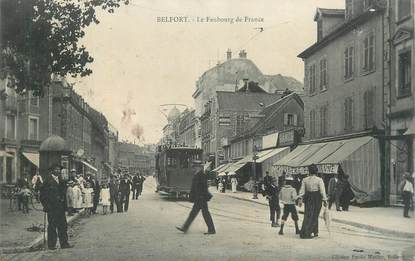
(222, 183)
(82, 193)
(60, 194)
(120, 186)
(292, 191)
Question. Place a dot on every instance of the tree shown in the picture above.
(41, 37)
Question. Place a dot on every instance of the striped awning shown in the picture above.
(32, 157)
(5, 154)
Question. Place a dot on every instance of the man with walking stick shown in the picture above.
(53, 199)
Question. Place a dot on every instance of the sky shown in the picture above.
(141, 63)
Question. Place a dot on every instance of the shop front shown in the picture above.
(360, 158)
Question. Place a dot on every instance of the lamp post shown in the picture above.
(255, 157)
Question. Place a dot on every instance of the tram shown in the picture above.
(174, 170)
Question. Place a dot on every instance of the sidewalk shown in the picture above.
(15, 237)
(385, 220)
(14, 224)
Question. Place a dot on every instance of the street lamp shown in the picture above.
(254, 157)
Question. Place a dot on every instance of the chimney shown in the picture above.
(242, 54)
(228, 54)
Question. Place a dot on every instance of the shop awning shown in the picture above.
(89, 165)
(32, 157)
(326, 155)
(5, 154)
(357, 157)
(221, 174)
(234, 167)
(271, 153)
(207, 165)
(264, 155)
(220, 167)
(411, 129)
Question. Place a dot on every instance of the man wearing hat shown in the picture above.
(125, 187)
(114, 193)
(407, 189)
(199, 195)
(72, 175)
(53, 199)
(272, 194)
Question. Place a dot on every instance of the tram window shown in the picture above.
(184, 160)
(171, 162)
(195, 157)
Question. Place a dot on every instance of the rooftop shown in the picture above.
(244, 101)
(341, 29)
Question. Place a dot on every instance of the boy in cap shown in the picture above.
(288, 195)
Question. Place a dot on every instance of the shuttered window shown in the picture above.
(369, 52)
(323, 121)
(290, 119)
(348, 62)
(312, 79)
(368, 102)
(405, 74)
(323, 74)
(312, 124)
(348, 114)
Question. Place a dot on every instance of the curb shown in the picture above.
(350, 223)
(36, 242)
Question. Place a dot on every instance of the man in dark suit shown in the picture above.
(272, 194)
(199, 195)
(125, 187)
(335, 190)
(267, 180)
(136, 181)
(114, 193)
(97, 190)
(53, 199)
(141, 183)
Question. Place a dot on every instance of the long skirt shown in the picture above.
(312, 207)
(234, 187)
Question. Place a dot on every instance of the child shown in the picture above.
(25, 194)
(105, 198)
(221, 188)
(288, 195)
(88, 194)
(77, 197)
(70, 198)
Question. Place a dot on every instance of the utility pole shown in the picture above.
(254, 157)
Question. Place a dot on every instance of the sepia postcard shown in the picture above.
(207, 130)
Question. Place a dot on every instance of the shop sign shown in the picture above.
(328, 168)
(286, 138)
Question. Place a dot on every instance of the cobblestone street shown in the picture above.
(147, 232)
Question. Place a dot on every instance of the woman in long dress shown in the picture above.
(313, 193)
(234, 182)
